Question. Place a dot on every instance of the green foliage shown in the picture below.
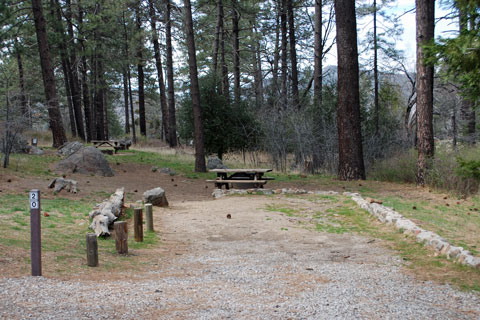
(228, 127)
(468, 168)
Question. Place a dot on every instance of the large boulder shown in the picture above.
(36, 151)
(87, 160)
(214, 162)
(69, 148)
(156, 197)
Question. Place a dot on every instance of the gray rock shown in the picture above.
(154, 169)
(215, 163)
(87, 160)
(125, 144)
(168, 171)
(69, 148)
(36, 151)
(156, 197)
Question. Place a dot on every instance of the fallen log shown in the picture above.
(105, 213)
(61, 183)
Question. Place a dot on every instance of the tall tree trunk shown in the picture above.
(225, 80)
(257, 61)
(318, 52)
(141, 76)
(194, 90)
(21, 81)
(236, 52)
(375, 67)
(467, 112)
(172, 122)
(68, 93)
(73, 73)
(293, 53)
(425, 18)
(276, 55)
(158, 63)
(350, 153)
(125, 101)
(99, 97)
(87, 108)
(127, 67)
(55, 117)
(216, 42)
(283, 27)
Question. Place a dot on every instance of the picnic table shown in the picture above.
(113, 144)
(254, 177)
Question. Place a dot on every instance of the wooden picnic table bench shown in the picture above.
(255, 177)
(113, 144)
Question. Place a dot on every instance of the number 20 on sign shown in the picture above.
(34, 200)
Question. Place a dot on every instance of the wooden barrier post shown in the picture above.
(138, 224)
(149, 216)
(35, 233)
(121, 237)
(92, 250)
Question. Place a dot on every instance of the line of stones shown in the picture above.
(383, 214)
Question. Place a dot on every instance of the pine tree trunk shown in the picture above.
(125, 101)
(99, 98)
(318, 65)
(130, 95)
(172, 122)
(216, 42)
(225, 81)
(375, 67)
(350, 153)
(158, 63)
(72, 72)
(236, 52)
(293, 53)
(21, 81)
(425, 18)
(194, 90)
(141, 76)
(258, 76)
(283, 27)
(55, 117)
(87, 108)
(68, 93)
(276, 54)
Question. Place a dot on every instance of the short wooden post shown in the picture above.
(121, 237)
(149, 216)
(138, 224)
(92, 250)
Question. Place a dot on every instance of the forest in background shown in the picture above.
(233, 75)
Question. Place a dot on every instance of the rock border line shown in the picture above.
(383, 214)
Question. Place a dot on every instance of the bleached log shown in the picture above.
(61, 183)
(105, 213)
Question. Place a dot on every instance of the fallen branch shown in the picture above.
(106, 213)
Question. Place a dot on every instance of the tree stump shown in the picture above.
(138, 224)
(92, 250)
(149, 216)
(121, 237)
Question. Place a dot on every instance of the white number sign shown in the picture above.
(34, 200)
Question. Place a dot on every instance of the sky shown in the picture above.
(407, 41)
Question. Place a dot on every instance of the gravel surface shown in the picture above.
(247, 271)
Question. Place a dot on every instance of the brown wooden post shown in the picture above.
(121, 237)
(149, 216)
(138, 224)
(35, 233)
(92, 250)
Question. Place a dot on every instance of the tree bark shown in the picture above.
(87, 109)
(350, 153)
(73, 73)
(21, 81)
(125, 101)
(425, 19)
(141, 76)
(236, 52)
(258, 76)
(375, 68)
(216, 42)
(225, 80)
(55, 117)
(158, 63)
(283, 27)
(276, 54)
(130, 95)
(318, 63)
(99, 99)
(293, 54)
(172, 122)
(194, 90)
